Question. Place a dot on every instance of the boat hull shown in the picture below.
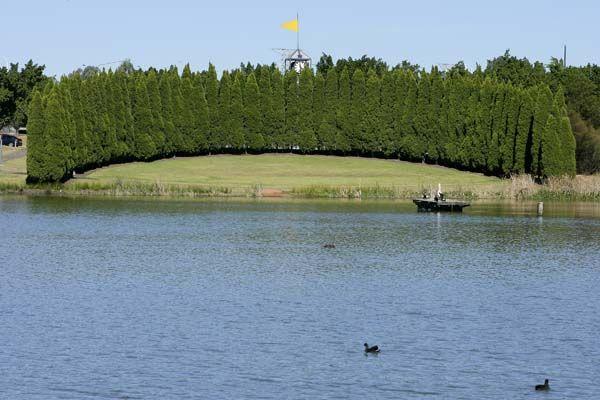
(432, 205)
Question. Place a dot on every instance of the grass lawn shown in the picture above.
(13, 171)
(286, 172)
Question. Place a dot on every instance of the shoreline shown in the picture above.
(514, 191)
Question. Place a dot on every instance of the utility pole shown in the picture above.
(565, 57)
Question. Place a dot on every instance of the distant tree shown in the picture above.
(158, 130)
(307, 139)
(144, 148)
(223, 137)
(292, 111)
(266, 106)
(126, 67)
(343, 134)
(324, 64)
(387, 113)
(16, 86)
(36, 142)
(252, 115)
(357, 111)
(212, 99)
(328, 126)
(318, 107)
(235, 127)
(371, 125)
(57, 155)
(278, 102)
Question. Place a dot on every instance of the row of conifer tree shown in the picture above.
(464, 121)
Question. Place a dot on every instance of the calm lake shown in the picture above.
(140, 299)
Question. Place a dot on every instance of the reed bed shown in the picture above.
(522, 187)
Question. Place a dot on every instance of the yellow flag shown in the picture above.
(291, 25)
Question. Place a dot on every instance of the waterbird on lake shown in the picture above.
(329, 246)
(372, 349)
(545, 386)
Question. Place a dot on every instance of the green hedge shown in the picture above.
(460, 120)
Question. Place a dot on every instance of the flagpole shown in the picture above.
(298, 33)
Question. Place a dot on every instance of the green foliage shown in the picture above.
(278, 104)
(292, 111)
(307, 140)
(342, 137)
(36, 153)
(372, 131)
(465, 120)
(223, 136)
(357, 112)
(327, 129)
(212, 99)
(16, 86)
(143, 123)
(234, 124)
(253, 117)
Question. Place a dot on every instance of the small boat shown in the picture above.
(439, 203)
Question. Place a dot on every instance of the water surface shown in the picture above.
(137, 299)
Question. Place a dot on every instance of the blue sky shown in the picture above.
(65, 34)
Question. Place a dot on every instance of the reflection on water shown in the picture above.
(188, 299)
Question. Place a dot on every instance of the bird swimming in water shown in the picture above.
(545, 386)
(329, 246)
(372, 349)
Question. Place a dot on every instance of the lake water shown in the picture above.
(138, 299)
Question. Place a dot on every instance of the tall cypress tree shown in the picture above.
(200, 119)
(235, 125)
(436, 139)
(328, 127)
(357, 112)
(371, 125)
(388, 101)
(36, 141)
(212, 99)
(81, 143)
(306, 140)
(157, 133)
(192, 138)
(411, 148)
(401, 89)
(343, 134)
(542, 112)
(318, 107)
(278, 101)
(567, 146)
(524, 137)
(127, 101)
(57, 154)
(173, 139)
(252, 115)
(122, 151)
(550, 152)
(421, 121)
(144, 148)
(266, 107)
(292, 111)
(223, 137)
(566, 140)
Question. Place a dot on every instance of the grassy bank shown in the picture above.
(296, 176)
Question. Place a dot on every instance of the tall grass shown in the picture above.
(522, 187)
(580, 187)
